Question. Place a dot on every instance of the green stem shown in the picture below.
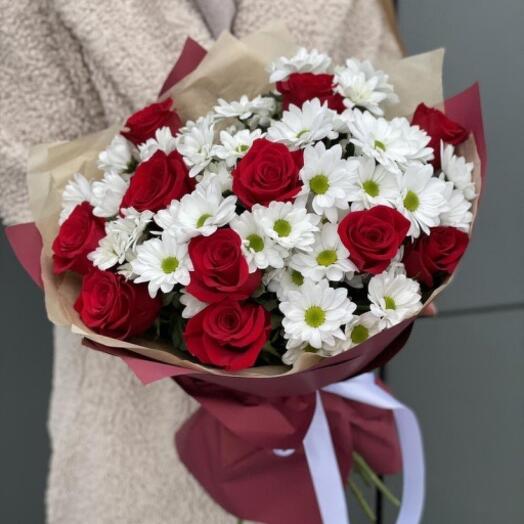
(363, 476)
(362, 501)
(363, 466)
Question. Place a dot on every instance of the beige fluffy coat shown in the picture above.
(72, 67)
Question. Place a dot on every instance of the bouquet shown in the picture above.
(272, 225)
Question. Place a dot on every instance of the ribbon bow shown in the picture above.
(322, 459)
(281, 460)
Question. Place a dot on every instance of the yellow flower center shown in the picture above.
(202, 220)
(327, 257)
(314, 316)
(379, 145)
(319, 184)
(255, 242)
(169, 265)
(411, 201)
(282, 227)
(359, 333)
(371, 188)
(390, 302)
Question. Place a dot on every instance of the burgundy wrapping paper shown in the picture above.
(26, 242)
(466, 109)
(227, 444)
(367, 356)
(191, 55)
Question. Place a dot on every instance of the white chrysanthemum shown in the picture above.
(281, 281)
(315, 313)
(201, 212)
(421, 199)
(295, 348)
(108, 253)
(329, 258)
(289, 225)
(163, 141)
(457, 170)
(360, 328)
(76, 191)
(261, 106)
(167, 219)
(195, 143)
(371, 184)
(393, 144)
(260, 250)
(192, 305)
(117, 157)
(234, 147)
(341, 123)
(326, 178)
(108, 194)
(417, 141)
(302, 126)
(458, 214)
(162, 263)
(303, 61)
(377, 138)
(393, 298)
(363, 86)
(122, 237)
(217, 173)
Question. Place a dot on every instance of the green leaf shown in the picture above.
(177, 334)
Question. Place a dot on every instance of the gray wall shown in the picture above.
(25, 381)
(462, 372)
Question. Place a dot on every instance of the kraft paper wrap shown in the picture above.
(231, 68)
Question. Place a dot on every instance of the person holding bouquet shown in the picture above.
(77, 68)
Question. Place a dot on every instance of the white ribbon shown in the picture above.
(322, 459)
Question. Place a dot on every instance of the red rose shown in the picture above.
(268, 172)
(439, 127)
(228, 334)
(142, 125)
(435, 254)
(157, 181)
(112, 306)
(220, 269)
(373, 237)
(78, 236)
(300, 87)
